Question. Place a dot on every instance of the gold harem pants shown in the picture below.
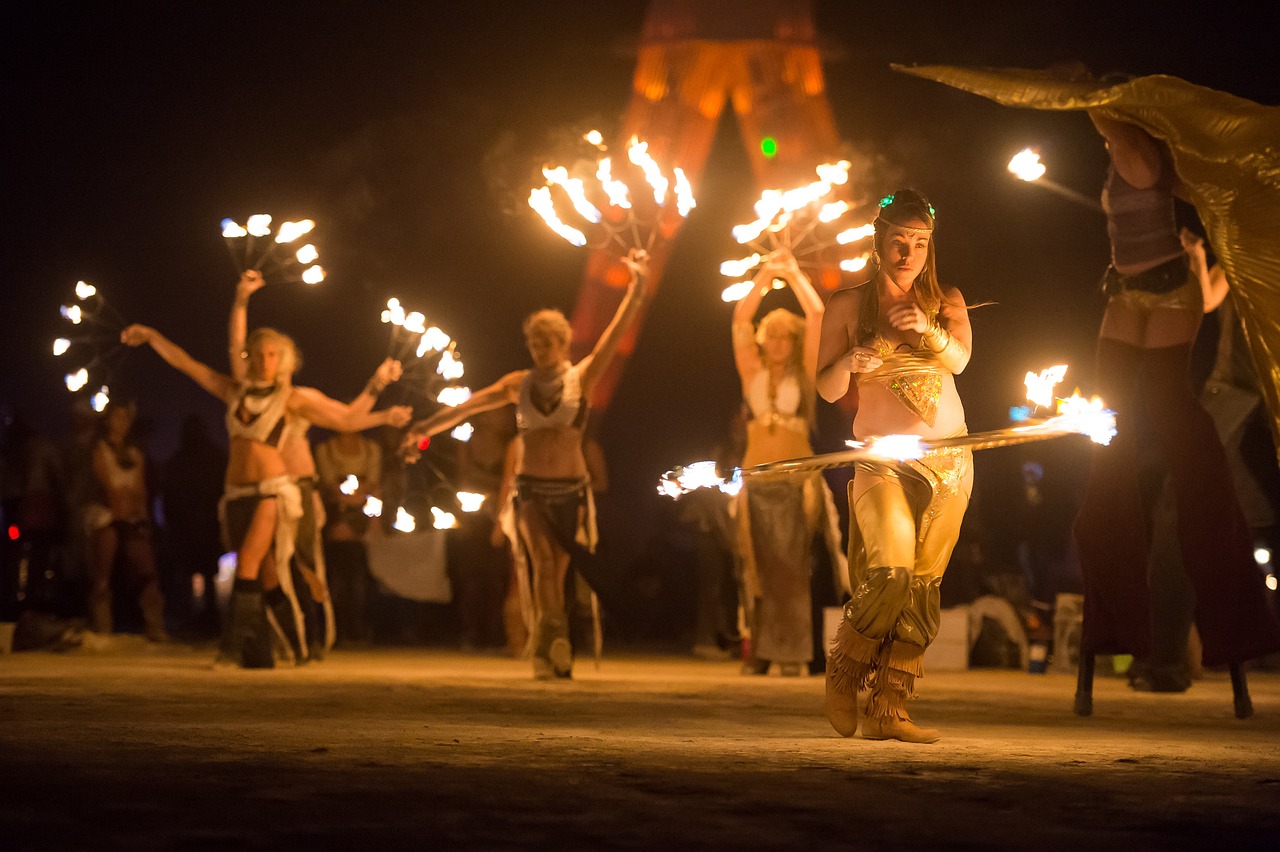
(905, 523)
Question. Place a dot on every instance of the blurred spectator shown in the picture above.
(349, 469)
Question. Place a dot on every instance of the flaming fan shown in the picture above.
(96, 334)
(251, 250)
(1074, 416)
(804, 221)
(432, 372)
(611, 208)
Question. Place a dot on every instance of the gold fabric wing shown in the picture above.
(1227, 153)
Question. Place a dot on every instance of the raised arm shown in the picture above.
(251, 281)
(388, 371)
(810, 302)
(328, 413)
(592, 367)
(175, 356)
(746, 353)
(1134, 153)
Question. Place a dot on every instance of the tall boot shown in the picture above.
(851, 667)
(151, 602)
(246, 640)
(887, 717)
(280, 616)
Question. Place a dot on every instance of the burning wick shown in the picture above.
(350, 485)
(1026, 165)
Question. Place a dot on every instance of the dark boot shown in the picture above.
(246, 639)
(285, 624)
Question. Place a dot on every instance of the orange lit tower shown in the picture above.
(695, 56)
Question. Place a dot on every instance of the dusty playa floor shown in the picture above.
(148, 749)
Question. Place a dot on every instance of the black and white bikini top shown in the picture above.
(258, 413)
(548, 402)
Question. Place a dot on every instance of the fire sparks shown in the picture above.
(307, 254)
(100, 400)
(372, 507)
(60, 346)
(449, 367)
(801, 221)
(233, 231)
(594, 137)
(737, 292)
(77, 380)
(72, 314)
(610, 189)
(248, 254)
(1088, 417)
(433, 340)
(1026, 165)
(84, 290)
(703, 474)
(462, 432)
(290, 231)
(540, 201)
(442, 520)
(454, 396)
(1040, 386)
(470, 501)
(404, 521)
(313, 275)
(350, 485)
(259, 225)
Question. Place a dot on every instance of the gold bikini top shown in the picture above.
(912, 375)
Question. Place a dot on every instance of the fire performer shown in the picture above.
(1154, 307)
(779, 516)
(903, 337)
(1217, 150)
(261, 504)
(295, 449)
(119, 523)
(554, 510)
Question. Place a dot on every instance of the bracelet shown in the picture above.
(935, 336)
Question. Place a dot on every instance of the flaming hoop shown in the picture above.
(1074, 415)
(244, 243)
(803, 221)
(624, 201)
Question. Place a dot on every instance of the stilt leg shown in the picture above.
(1084, 685)
(1240, 692)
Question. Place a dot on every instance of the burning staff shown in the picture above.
(1074, 415)
(1026, 166)
(802, 222)
(278, 256)
(606, 206)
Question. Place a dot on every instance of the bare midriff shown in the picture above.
(880, 412)
(553, 453)
(253, 461)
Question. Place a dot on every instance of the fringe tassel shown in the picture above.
(852, 661)
(889, 699)
(907, 658)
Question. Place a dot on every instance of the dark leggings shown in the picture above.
(1111, 530)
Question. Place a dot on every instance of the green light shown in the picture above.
(769, 147)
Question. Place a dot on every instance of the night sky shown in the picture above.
(132, 129)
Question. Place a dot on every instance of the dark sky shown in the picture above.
(131, 129)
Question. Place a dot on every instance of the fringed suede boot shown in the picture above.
(851, 667)
(886, 712)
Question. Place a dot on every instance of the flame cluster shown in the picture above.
(802, 220)
(86, 309)
(242, 240)
(588, 195)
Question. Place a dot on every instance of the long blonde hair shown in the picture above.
(794, 326)
(895, 210)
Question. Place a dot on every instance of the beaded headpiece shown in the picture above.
(888, 200)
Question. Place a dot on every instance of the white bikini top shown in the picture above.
(785, 401)
(119, 477)
(258, 412)
(548, 403)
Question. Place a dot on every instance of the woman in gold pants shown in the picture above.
(904, 338)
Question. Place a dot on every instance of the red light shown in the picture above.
(14, 532)
(424, 443)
